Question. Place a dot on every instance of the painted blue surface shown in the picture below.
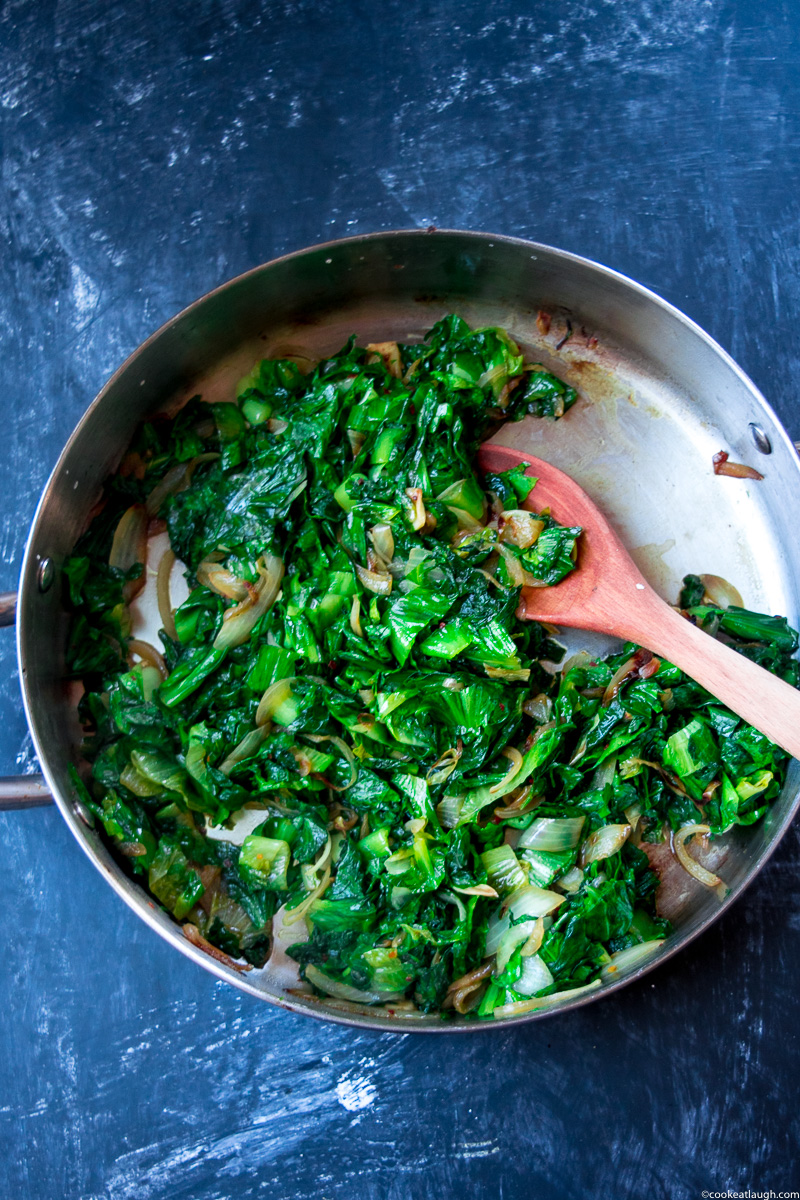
(148, 153)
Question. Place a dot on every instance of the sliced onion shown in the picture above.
(471, 977)
(448, 811)
(418, 514)
(532, 901)
(707, 878)
(631, 666)
(539, 708)
(222, 581)
(552, 835)
(389, 352)
(525, 1006)
(163, 595)
(603, 843)
(347, 753)
(193, 935)
(723, 466)
(479, 889)
(515, 759)
(465, 992)
(444, 766)
(570, 881)
(149, 655)
(323, 864)
(401, 1010)
(246, 748)
(273, 698)
(514, 569)
(534, 942)
(379, 583)
(718, 591)
(605, 772)
(466, 522)
(523, 801)
(171, 482)
(239, 622)
(493, 376)
(633, 815)
(581, 659)
(355, 617)
(343, 991)
(458, 902)
(383, 541)
(520, 528)
(278, 425)
(632, 957)
(535, 977)
(176, 479)
(130, 547)
(532, 582)
(356, 438)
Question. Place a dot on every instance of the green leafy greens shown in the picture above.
(346, 721)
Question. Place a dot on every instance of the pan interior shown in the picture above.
(640, 441)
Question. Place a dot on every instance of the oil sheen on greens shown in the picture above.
(432, 805)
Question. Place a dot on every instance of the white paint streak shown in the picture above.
(85, 292)
(355, 1092)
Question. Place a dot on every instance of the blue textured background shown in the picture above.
(149, 152)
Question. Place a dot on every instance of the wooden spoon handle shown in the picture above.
(753, 693)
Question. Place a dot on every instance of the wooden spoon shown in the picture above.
(609, 594)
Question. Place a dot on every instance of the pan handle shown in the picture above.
(19, 791)
(8, 608)
(23, 791)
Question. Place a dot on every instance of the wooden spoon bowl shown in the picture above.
(608, 593)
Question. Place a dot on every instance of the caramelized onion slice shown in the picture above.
(514, 568)
(520, 527)
(389, 352)
(444, 766)
(723, 466)
(344, 991)
(417, 514)
(464, 992)
(222, 581)
(355, 617)
(718, 591)
(193, 935)
(273, 698)
(163, 595)
(239, 622)
(378, 582)
(689, 864)
(130, 547)
(632, 666)
(525, 1006)
(603, 843)
(346, 752)
(149, 655)
(515, 758)
(383, 541)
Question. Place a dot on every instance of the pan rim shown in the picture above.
(134, 896)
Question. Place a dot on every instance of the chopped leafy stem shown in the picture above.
(444, 821)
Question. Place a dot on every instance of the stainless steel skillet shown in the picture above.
(658, 398)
